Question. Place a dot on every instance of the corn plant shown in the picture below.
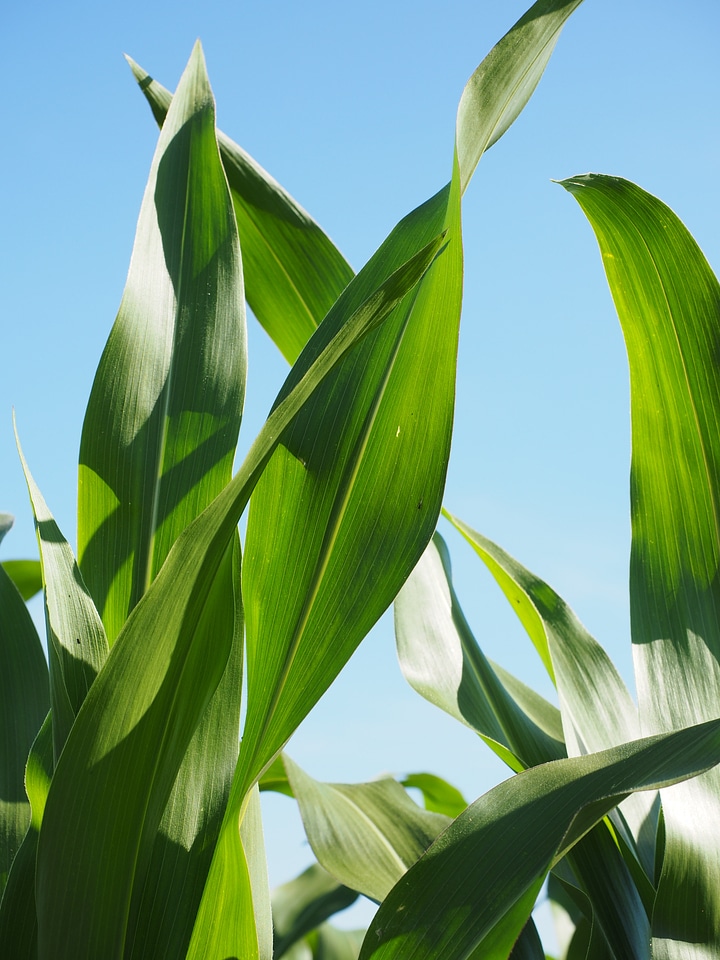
(130, 811)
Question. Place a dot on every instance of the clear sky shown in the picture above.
(352, 108)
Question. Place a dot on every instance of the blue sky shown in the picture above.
(351, 108)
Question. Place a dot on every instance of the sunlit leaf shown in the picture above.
(477, 883)
(668, 301)
(26, 575)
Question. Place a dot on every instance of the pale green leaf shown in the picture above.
(440, 659)
(293, 272)
(499, 89)
(668, 302)
(477, 883)
(365, 834)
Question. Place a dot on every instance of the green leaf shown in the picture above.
(596, 708)
(275, 778)
(158, 444)
(441, 659)
(304, 903)
(348, 502)
(162, 422)
(329, 943)
(6, 522)
(668, 301)
(499, 89)
(24, 702)
(439, 796)
(293, 272)
(77, 645)
(119, 764)
(365, 834)
(26, 575)
(18, 917)
(478, 882)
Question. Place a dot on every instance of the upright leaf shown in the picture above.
(77, 646)
(124, 751)
(668, 302)
(293, 272)
(158, 444)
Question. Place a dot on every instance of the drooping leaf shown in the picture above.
(441, 659)
(18, 916)
(439, 796)
(668, 302)
(119, 764)
(24, 702)
(293, 271)
(77, 645)
(596, 707)
(365, 834)
(499, 89)
(26, 575)
(304, 903)
(477, 883)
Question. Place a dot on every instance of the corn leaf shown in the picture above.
(304, 903)
(438, 795)
(668, 302)
(476, 885)
(24, 702)
(365, 834)
(119, 764)
(499, 89)
(158, 444)
(440, 658)
(293, 272)
(77, 645)
(329, 943)
(26, 575)
(18, 916)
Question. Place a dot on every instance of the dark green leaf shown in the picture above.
(304, 903)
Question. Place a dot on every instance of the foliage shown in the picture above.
(130, 822)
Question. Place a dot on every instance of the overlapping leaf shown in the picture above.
(472, 892)
(440, 658)
(365, 834)
(130, 737)
(301, 905)
(668, 301)
(24, 702)
(293, 272)
(77, 646)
